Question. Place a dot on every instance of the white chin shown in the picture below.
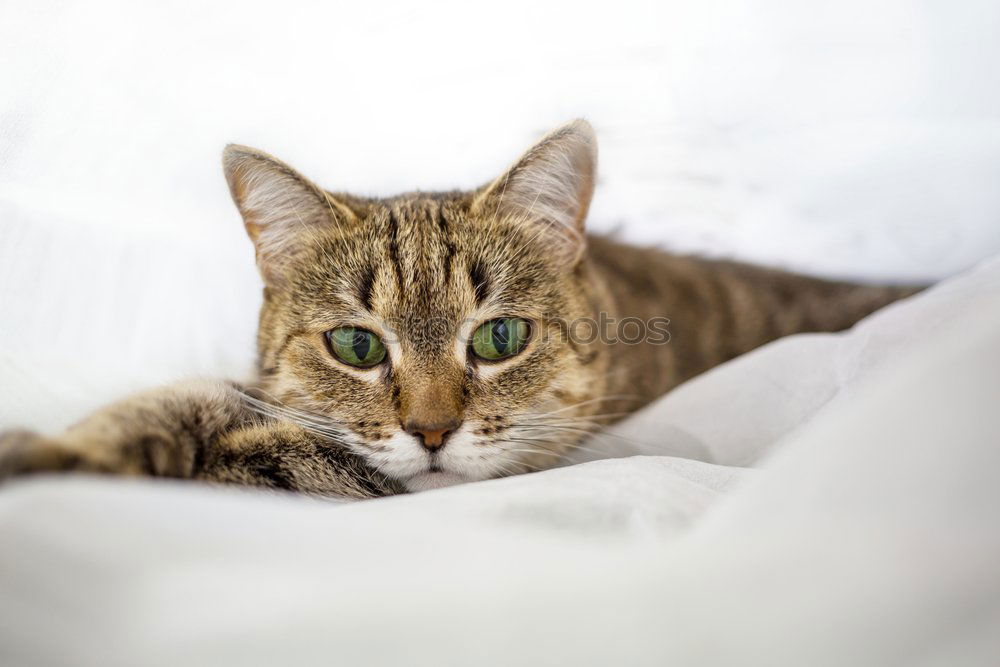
(432, 480)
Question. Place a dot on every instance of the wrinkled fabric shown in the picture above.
(825, 500)
(867, 534)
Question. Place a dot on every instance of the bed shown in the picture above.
(828, 499)
(846, 515)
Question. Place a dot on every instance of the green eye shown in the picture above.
(356, 347)
(499, 338)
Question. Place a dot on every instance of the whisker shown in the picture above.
(608, 415)
(310, 422)
(584, 428)
(542, 445)
(612, 397)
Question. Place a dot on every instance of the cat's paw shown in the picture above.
(27, 453)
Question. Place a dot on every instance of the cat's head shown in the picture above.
(428, 331)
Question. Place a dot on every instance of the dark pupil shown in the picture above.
(501, 336)
(361, 344)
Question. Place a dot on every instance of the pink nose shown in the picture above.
(432, 436)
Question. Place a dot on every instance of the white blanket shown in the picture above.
(824, 500)
(870, 535)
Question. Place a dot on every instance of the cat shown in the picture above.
(434, 338)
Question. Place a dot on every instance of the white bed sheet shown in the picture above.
(869, 535)
(775, 130)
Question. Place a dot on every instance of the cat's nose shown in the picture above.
(432, 436)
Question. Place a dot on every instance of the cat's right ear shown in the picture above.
(549, 188)
(280, 207)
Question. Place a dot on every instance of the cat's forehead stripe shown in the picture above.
(422, 246)
(365, 288)
(449, 244)
(480, 281)
(394, 249)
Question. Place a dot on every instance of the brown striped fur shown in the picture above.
(717, 310)
(422, 271)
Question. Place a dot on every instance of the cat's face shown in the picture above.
(429, 332)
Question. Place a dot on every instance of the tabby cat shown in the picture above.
(433, 338)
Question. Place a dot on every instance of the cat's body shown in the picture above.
(429, 339)
(717, 309)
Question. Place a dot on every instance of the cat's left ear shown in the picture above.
(280, 207)
(550, 187)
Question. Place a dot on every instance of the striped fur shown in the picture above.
(422, 271)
